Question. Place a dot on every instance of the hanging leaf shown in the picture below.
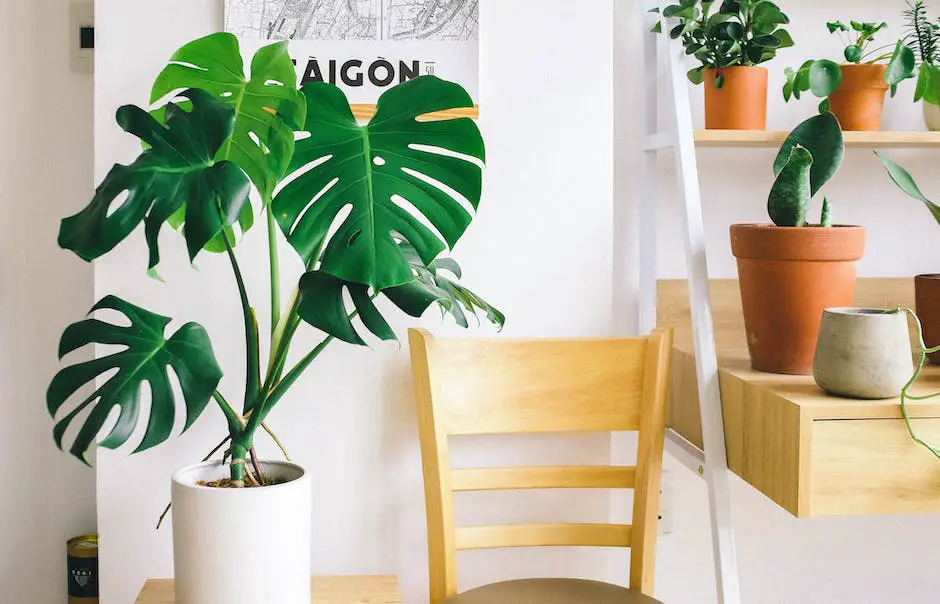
(322, 303)
(145, 360)
(268, 107)
(903, 179)
(387, 173)
(821, 135)
(177, 173)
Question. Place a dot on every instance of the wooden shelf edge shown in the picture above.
(912, 139)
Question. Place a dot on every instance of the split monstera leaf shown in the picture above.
(808, 159)
(370, 209)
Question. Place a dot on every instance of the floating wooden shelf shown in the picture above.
(365, 112)
(774, 138)
(811, 453)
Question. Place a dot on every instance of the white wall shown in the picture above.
(870, 559)
(45, 170)
(541, 249)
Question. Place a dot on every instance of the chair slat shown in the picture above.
(547, 477)
(535, 535)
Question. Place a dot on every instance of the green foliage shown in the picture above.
(267, 105)
(904, 181)
(740, 32)
(143, 362)
(822, 77)
(923, 39)
(411, 187)
(391, 172)
(807, 160)
(177, 175)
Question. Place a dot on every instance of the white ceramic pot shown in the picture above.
(931, 116)
(241, 546)
(863, 353)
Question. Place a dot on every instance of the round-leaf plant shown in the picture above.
(737, 33)
(822, 76)
(353, 200)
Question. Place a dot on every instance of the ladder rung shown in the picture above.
(660, 140)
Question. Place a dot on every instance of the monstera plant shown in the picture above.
(370, 209)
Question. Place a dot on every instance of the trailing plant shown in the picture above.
(822, 77)
(370, 209)
(906, 183)
(923, 38)
(808, 159)
(739, 33)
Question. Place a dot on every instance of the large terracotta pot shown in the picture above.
(788, 276)
(859, 100)
(741, 103)
(927, 296)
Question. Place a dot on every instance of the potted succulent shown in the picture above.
(370, 209)
(923, 38)
(791, 270)
(855, 90)
(926, 287)
(731, 43)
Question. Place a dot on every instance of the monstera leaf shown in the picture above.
(146, 358)
(322, 304)
(177, 173)
(394, 174)
(268, 107)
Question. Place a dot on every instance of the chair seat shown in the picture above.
(552, 591)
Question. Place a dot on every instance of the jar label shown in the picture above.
(83, 577)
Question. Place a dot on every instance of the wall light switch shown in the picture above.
(82, 37)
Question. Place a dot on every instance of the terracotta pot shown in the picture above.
(741, 103)
(927, 297)
(859, 100)
(788, 276)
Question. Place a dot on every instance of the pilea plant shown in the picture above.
(822, 77)
(740, 32)
(808, 159)
(923, 38)
(370, 209)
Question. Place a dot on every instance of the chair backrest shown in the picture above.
(465, 387)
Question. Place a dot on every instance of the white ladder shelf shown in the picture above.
(663, 54)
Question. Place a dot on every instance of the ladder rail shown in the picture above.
(715, 468)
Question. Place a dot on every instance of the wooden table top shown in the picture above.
(351, 589)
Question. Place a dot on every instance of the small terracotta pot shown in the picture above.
(859, 100)
(741, 103)
(927, 297)
(788, 275)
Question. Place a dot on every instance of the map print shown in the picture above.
(372, 20)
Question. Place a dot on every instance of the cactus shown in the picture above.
(808, 159)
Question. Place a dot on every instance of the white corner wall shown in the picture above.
(541, 249)
(878, 560)
(45, 170)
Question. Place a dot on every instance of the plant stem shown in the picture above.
(235, 422)
(274, 265)
(293, 375)
(905, 392)
(256, 466)
(253, 371)
(277, 441)
(239, 459)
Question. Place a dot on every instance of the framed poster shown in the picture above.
(367, 46)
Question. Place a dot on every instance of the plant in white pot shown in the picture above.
(370, 210)
(923, 38)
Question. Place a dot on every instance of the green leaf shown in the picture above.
(903, 179)
(790, 196)
(824, 77)
(730, 30)
(697, 75)
(267, 106)
(178, 170)
(786, 40)
(835, 26)
(853, 53)
(145, 360)
(382, 172)
(323, 306)
(821, 135)
(825, 106)
(901, 66)
(768, 41)
(928, 84)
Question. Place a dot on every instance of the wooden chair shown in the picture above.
(465, 387)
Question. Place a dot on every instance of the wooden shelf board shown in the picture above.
(774, 138)
(811, 453)
(365, 111)
(324, 590)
